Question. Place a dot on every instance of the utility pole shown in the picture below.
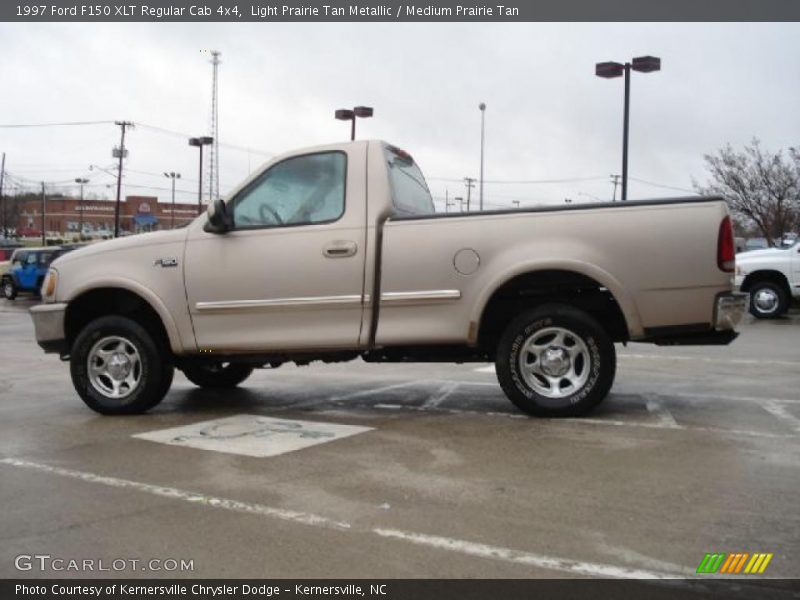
(213, 155)
(80, 181)
(446, 201)
(470, 183)
(482, 108)
(44, 210)
(121, 154)
(173, 176)
(2, 197)
(615, 181)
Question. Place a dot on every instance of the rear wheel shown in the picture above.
(9, 289)
(768, 300)
(118, 368)
(555, 361)
(217, 374)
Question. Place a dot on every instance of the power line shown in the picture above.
(661, 185)
(519, 181)
(183, 135)
(68, 123)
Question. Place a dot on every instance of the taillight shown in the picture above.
(726, 251)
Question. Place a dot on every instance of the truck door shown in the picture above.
(290, 274)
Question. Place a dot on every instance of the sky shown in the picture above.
(547, 117)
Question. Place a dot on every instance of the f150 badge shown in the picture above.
(169, 261)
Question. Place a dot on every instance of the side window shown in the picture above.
(297, 191)
(19, 259)
(31, 259)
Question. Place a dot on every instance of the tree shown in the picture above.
(760, 187)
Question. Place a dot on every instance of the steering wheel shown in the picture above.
(266, 209)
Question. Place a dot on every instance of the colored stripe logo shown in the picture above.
(735, 563)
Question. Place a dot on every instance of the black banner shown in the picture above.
(231, 589)
(399, 10)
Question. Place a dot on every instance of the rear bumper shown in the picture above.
(48, 321)
(729, 308)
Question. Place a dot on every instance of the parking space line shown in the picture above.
(186, 496)
(436, 399)
(465, 547)
(664, 417)
(525, 558)
(377, 390)
(592, 421)
(706, 359)
(777, 409)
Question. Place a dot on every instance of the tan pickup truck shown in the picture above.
(336, 253)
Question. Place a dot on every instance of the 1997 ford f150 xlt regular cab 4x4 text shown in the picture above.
(335, 252)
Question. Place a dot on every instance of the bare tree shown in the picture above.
(760, 187)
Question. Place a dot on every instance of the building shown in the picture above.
(69, 216)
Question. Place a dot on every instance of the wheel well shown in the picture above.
(766, 275)
(566, 287)
(102, 302)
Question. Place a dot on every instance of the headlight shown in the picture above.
(49, 286)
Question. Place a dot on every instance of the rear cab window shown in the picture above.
(410, 193)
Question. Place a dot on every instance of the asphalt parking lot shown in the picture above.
(696, 450)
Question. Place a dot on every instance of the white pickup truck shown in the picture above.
(336, 253)
(771, 277)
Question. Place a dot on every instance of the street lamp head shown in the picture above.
(201, 141)
(609, 70)
(482, 106)
(345, 114)
(363, 111)
(646, 64)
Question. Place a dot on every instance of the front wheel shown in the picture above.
(9, 289)
(117, 367)
(768, 300)
(217, 374)
(555, 361)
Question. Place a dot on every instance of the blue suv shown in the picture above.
(28, 269)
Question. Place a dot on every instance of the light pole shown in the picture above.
(610, 70)
(460, 201)
(173, 176)
(345, 114)
(80, 181)
(482, 107)
(200, 142)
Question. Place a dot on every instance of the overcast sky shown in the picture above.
(547, 117)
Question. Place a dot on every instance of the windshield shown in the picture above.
(410, 193)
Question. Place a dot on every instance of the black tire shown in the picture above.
(218, 375)
(768, 300)
(9, 289)
(154, 370)
(589, 373)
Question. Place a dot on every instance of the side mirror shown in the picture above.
(218, 219)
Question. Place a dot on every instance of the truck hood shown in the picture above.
(141, 240)
(744, 257)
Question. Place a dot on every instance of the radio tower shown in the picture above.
(213, 155)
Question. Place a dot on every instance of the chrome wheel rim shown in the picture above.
(8, 289)
(114, 367)
(765, 300)
(555, 362)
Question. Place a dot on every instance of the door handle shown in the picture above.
(340, 249)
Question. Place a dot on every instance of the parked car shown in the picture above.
(336, 252)
(771, 277)
(756, 244)
(28, 269)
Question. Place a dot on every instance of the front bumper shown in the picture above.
(48, 321)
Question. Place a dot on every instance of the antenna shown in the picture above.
(213, 155)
